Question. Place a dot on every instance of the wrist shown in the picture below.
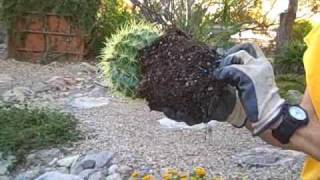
(293, 117)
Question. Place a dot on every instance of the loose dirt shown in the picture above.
(175, 78)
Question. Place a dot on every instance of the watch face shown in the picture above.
(297, 113)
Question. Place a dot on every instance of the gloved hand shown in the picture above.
(229, 110)
(253, 77)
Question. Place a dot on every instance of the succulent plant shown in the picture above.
(120, 56)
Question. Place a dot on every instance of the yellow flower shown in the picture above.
(135, 174)
(148, 177)
(217, 178)
(193, 178)
(183, 175)
(167, 176)
(199, 171)
(173, 171)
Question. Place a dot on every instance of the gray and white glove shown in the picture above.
(254, 79)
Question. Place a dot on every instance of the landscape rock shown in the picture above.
(18, 95)
(67, 161)
(43, 157)
(58, 176)
(125, 171)
(88, 102)
(268, 156)
(97, 91)
(113, 169)
(4, 178)
(294, 96)
(29, 175)
(5, 164)
(6, 82)
(86, 173)
(93, 160)
(114, 177)
(61, 83)
(62, 170)
(39, 87)
(97, 176)
(87, 68)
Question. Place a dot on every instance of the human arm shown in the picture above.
(305, 139)
(265, 109)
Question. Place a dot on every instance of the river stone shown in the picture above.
(87, 68)
(113, 169)
(88, 102)
(18, 95)
(86, 173)
(61, 83)
(97, 91)
(114, 177)
(5, 164)
(97, 176)
(58, 176)
(43, 157)
(39, 87)
(4, 167)
(294, 96)
(67, 161)
(268, 156)
(29, 175)
(92, 160)
(125, 171)
(4, 178)
(6, 82)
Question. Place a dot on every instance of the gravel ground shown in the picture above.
(132, 132)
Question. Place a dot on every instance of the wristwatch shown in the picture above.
(293, 118)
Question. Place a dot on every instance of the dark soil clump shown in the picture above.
(174, 78)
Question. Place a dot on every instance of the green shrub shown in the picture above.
(287, 82)
(119, 58)
(301, 28)
(290, 58)
(111, 17)
(23, 129)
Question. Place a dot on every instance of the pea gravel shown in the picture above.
(128, 129)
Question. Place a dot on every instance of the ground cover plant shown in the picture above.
(23, 129)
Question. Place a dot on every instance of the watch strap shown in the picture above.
(284, 131)
(287, 127)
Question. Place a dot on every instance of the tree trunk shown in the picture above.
(286, 24)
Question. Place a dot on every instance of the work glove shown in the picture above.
(252, 75)
(229, 109)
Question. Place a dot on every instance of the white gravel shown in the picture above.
(128, 129)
